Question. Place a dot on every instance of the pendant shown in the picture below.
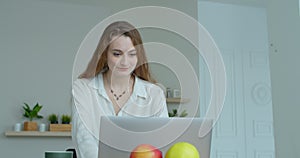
(117, 96)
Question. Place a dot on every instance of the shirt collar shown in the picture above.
(97, 84)
(139, 89)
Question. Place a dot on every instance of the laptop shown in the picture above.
(120, 135)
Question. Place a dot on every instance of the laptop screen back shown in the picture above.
(120, 135)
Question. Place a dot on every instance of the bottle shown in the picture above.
(169, 93)
(176, 93)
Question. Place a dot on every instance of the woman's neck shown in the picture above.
(118, 83)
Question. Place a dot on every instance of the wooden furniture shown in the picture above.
(177, 100)
(37, 134)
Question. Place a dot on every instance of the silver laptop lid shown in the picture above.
(120, 135)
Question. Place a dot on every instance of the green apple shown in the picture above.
(182, 150)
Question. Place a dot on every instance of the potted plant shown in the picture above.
(53, 118)
(31, 114)
(65, 119)
(64, 126)
(174, 113)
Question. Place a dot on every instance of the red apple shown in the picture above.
(145, 151)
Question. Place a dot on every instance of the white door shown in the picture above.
(245, 126)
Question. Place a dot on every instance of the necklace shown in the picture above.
(116, 95)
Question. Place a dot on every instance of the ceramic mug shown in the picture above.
(18, 127)
(42, 127)
(58, 154)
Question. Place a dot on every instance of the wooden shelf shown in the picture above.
(37, 134)
(177, 100)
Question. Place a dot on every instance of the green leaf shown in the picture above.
(26, 107)
(174, 111)
(32, 113)
(171, 114)
(183, 113)
(37, 107)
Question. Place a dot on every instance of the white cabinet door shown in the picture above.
(245, 126)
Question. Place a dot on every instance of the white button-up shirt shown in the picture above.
(91, 102)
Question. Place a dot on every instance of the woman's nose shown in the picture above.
(124, 60)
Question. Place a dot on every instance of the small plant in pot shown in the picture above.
(31, 114)
(65, 119)
(53, 118)
(65, 125)
(174, 113)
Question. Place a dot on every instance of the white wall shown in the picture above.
(284, 34)
(39, 40)
(38, 43)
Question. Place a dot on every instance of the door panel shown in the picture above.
(245, 126)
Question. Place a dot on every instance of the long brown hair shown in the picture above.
(98, 63)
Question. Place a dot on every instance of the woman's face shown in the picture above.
(121, 57)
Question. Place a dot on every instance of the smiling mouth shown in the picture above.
(123, 69)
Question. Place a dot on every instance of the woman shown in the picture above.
(117, 82)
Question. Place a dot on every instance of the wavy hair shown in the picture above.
(98, 62)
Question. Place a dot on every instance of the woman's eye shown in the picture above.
(132, 54)
(116, 54)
